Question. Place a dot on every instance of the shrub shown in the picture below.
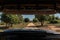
(35, 20)
(26, 20)
(53, 21)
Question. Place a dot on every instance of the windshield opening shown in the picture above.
(30, 21)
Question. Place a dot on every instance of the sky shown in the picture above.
(57, 15)
(31, 17)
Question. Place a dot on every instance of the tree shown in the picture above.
(13, 19)
(26, 20)
(53, 19)
(5, 19)
(20, 17)
(57, 18)
(41, 18)
(35, 20)
(10, 19)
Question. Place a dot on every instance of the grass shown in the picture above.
(21, 25)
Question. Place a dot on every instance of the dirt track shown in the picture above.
(31, 24)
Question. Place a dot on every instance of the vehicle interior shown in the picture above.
(29, 19)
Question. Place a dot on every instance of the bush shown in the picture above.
(53, 21)
(34, 20)
(26, 20)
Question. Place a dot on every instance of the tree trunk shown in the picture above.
(42, 23)
(11, 25)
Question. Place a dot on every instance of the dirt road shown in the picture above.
(31, 24)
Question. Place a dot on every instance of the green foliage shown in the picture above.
(4, 18)
(26, 20)
(10, 18)
(52, 17)
(57, 18)
(41, 17)
(53, 21)
(35, 20)
(20, 17)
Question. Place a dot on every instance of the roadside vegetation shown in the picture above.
(17, 21)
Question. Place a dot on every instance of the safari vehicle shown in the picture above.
(28, 7)
(25, 34)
